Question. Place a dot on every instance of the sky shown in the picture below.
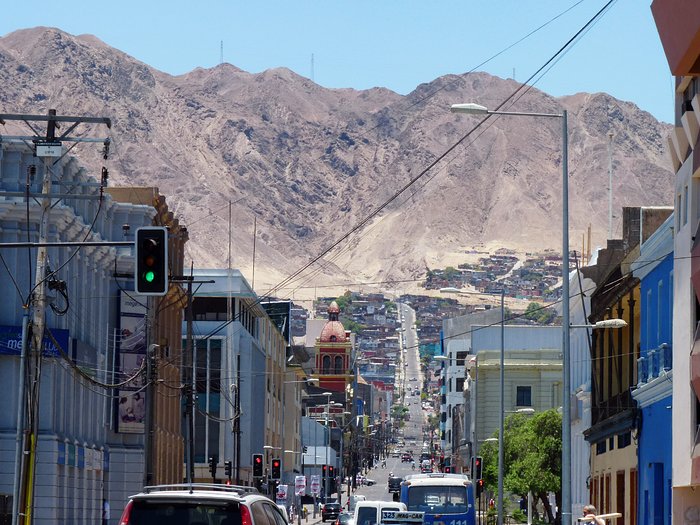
(397, 44)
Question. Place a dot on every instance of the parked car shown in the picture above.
(369, 482)
(330, 511)
(195, 504)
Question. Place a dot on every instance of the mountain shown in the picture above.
(307, 164)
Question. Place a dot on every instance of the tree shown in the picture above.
(531, 457)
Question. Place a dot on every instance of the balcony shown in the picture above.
(654, 364)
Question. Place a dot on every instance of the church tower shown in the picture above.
(333, 349)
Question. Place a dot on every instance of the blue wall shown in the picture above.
(655, 464)
(654, 438)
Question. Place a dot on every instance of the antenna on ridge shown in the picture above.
(221, 53)
(312, 67)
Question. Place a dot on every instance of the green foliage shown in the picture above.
(531, 454)
(353, 326)
(451, 273)
(539, 313)
(344, 300)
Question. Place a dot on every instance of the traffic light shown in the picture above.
(305, 449)
(257, 465)
(151, 274)
(330, 471)
(478, 470)
(479, 487)
(276, 468)
(228, 468)
(325, 469)
(212, 465)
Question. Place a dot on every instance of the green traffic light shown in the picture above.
(149, 276)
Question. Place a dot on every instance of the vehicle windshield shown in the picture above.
(366, 516)
(184, 513)
(438, 499)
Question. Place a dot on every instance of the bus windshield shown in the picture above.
(437, 499)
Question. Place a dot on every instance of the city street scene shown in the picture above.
(368, 263)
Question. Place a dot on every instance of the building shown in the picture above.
(91, 433)
(654, 269)
(614, 429)
(333, 350)
(678, 23)
(455, 392)
(532, 374)
(581, 288)
(239, 365)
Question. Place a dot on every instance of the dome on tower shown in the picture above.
(333, 332)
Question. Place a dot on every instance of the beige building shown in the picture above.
(532, 374)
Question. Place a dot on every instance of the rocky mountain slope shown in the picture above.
(308, 163)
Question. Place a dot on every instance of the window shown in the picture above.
(326, 364)
(685, 205)
(624, 440)
(600, 447)
(207, 376)
(338, 365)
(461, 356)
(679, 208)
(523, 397)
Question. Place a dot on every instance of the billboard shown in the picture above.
(132, 354)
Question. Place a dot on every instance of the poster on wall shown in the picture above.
(131, 412)
(132, 354)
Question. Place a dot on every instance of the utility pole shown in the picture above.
(187, 361)
(49, 148)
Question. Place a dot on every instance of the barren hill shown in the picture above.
(310, 163)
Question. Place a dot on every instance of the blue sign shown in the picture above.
(11, 341)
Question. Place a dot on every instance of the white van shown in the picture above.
(370, 512)
(354, 500)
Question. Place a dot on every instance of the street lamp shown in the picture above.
(476, 109)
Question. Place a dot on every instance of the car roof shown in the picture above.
(196, 491)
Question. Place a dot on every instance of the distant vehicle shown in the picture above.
(395, 453)
(445, 498)
(330, 511)
(354, 500)
(413, 379)
(344, 518)
(369, 482)
(394, 485)
(406, 457)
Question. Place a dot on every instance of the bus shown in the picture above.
(447, 499)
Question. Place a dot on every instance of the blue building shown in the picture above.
(654, 269)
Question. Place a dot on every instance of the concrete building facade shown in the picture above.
(678, 23)
(86, 454)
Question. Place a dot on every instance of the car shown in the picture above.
(344, 518)
(330, 511)
(413, 379)
(194, 504)
(369, 482)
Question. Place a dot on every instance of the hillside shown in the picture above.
(310, 163)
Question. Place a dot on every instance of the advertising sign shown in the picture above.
(281, 496)
(300, 485)
(315, 484)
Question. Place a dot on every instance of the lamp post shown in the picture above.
(566, 373)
